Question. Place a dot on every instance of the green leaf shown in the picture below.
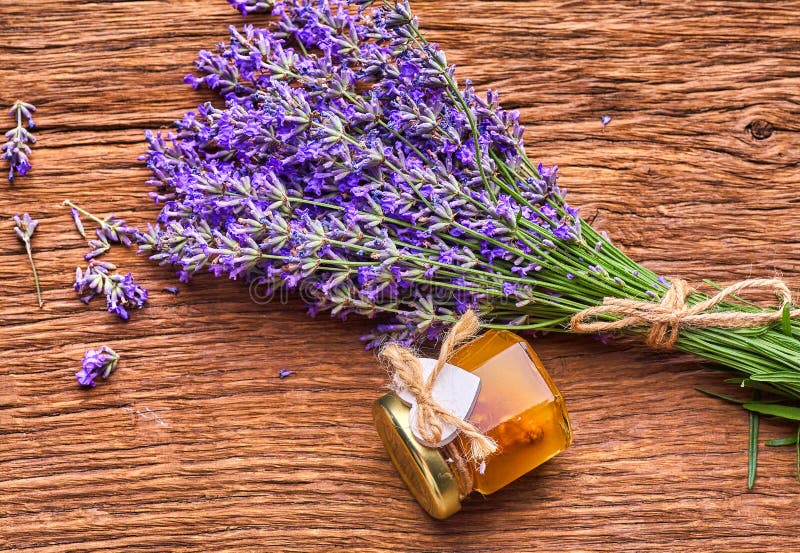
(783, 411)
(724, 397)
(777, 442)
(783, 377)
(752, 451)
(786, 320)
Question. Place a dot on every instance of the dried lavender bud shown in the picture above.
(283, 373)
(16, 149)
(99, 246)
(172, 290)
(24, 227)
(76, 217)
(605, 120)
(97, 363)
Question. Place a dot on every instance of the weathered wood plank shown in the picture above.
(196, 444)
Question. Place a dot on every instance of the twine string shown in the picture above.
(407, 375)
(667, 318)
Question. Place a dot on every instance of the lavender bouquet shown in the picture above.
(348, 162)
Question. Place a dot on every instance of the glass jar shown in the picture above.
(518, 406)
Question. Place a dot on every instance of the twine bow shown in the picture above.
(665, 319)
(407, 374)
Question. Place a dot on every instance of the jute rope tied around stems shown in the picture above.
(668, 317)
(407, 374)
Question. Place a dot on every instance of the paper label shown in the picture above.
(455, 389)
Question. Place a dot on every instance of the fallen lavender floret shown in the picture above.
(247, 7)
(121, 292)
(16, 149)
(24, 227)
(76, 218)
(97, 363)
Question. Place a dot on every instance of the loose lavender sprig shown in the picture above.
(16, 149)
(24, 227)
(112, 228)
(97, 363)
(121, 292)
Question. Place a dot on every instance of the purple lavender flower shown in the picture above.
(97, 363)
(99, 245)
(247, 7)
(605, 120)
(16, 149)
(121, 292)
(283, 373)
(24, 227)
(76, 218)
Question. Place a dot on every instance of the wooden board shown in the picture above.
(195, 444)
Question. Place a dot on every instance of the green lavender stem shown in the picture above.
(94, 218)
(35, 274)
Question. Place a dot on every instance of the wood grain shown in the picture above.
(195, 444)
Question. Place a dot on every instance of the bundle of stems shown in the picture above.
(348, 161)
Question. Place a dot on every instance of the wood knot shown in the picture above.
(760, 129)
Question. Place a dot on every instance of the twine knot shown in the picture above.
(407, 374)
(665, 319)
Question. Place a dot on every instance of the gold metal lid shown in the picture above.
(424, 469)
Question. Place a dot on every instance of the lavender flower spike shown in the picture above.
(25, 226)
(16, 149)
(97, 363)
